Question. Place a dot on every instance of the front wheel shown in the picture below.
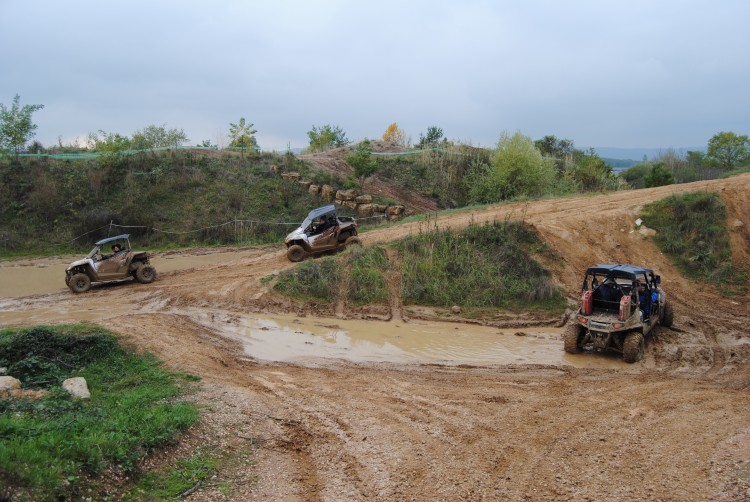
(295, 253)
(79, 283)
(572, 338)
(634, 347)
(145, 274)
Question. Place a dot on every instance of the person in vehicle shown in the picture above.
(644, 301)
(323, 224)
(116, 248)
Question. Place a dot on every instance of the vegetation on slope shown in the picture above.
(691, 228)
(184, 194)
(480, 266)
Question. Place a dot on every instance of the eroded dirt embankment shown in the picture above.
(673, 427)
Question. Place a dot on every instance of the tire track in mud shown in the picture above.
(393, 278)
(343, 289)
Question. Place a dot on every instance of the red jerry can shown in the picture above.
(624, 307)
(586, 303)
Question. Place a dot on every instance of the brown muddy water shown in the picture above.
(289, 338)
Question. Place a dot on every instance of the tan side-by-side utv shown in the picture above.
(115, 262)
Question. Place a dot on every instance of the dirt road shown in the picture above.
(675, 426)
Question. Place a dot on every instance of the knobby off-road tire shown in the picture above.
(667, 315)
(633, 348)
(79, 283)
(572, 338)
(145, 274)
(296, 253)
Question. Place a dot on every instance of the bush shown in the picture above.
(516, 169)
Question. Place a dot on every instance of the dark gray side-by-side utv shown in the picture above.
(323, 230)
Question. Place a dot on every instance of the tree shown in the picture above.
(432, 138)
(516, 168)
(591, 171)
(110, 147)
(242, 136)
(326, 137)
(362, 162)
(561, 150)
(157, 137)
(553, 147)
(728, 150)
(395, 135)
(16, 127)
(659, 176)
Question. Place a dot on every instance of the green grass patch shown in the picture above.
(367, 283)
(483, 266)
(48, 446)
(188, 474)
(316, 279)
(691, 229)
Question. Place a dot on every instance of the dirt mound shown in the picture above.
(332, 161)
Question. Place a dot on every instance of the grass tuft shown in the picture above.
(367, 283)
(317, 279)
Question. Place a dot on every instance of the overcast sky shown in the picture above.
(633, 73)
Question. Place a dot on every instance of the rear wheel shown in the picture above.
(145, 274)
(634, 347)
(667, 315)
(295, 253)
(572, 338)
(79, 283)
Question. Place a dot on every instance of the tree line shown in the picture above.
(517, 167)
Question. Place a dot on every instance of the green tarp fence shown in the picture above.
(94, 155)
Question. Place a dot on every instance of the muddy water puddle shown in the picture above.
(16, 313)
(295, 339)
(288, 338)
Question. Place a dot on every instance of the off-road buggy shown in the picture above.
(111, 260)
(323, 230)
(614, 315)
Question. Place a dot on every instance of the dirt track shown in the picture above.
(673, 427)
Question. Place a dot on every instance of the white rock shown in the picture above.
(77, 387)
(8, 383)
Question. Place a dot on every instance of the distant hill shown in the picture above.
(636, 154)
(620, 164)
